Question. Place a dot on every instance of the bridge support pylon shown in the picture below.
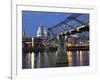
(62, 59)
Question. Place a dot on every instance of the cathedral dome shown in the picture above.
(41, 32)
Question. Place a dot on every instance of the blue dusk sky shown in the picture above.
(31, 20)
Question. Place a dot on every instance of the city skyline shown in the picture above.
(55, 49)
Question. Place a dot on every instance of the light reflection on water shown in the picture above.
(75, 58)
(78, 58)
(70, 59)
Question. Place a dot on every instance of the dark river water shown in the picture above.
(46, 60)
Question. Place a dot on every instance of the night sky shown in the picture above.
(32, 19)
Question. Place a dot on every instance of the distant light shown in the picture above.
(75, 36)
